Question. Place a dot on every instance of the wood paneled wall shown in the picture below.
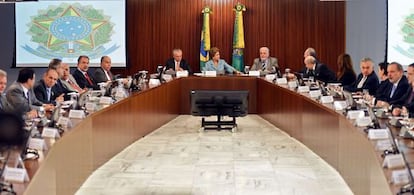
(287, 27)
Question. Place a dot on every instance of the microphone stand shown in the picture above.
(408, 188)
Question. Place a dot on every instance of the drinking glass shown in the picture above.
(246, 69)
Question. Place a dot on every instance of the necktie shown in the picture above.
(263, 65)
(1, 103)
(48, 94)
(109, 75)
(393, 90)
(28, 98)
(76, 87)
(177, 66)
(88, 79)
(410, 99)
(361, 83)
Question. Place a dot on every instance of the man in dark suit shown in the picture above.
(21, 97)
(396, 89)
(103, 73)
(318, 70)
(408, 105)
(46, 90)
(367, 79)
(266, 64)
(177, 63)
(82, 76)
(4, 104)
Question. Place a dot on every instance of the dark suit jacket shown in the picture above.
(99, 75)
(17, 99)
(399, 96)
(4, 104)
(82, 82)
(347, 79)
(371, 84)
(170, 64)
(321, 73)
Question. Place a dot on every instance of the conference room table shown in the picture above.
(101, 135)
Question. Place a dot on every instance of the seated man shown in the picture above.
(408, 105)
(395, 90)
(4, 104)
(21, 97)
(103, 73)
(68, 81)
(45, 89)
(318, 70)
(83, 78)
(266, 64)
(367, 79)
(177, 63)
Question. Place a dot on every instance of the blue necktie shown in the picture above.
(393, 90)
(48, 94)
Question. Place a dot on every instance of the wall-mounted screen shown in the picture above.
(400, 31)
(67, 29)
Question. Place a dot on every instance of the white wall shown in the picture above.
(365, 30)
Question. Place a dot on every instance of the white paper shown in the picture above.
(76, 114)
(303, 89)
(105, 100)
(270, 77)
(211, 73)
(363, 121)
(183, 73)
(50, 132)
(167, 77)
(315, 93)
(281, 81)
(400, 176)
(16, 174)
(327, 99)
(254, 73)
(393, 161)
(354, 114)
(37, 144)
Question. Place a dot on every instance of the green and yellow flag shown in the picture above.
(205, 37)
(238, 37)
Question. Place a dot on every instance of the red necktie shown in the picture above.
(88, 79)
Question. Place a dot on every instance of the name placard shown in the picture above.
(354, 114)
(328, 99)
(400, 176)
(292, 84)
(393, 161)
(76, 114)
(155, 82)
(270, 77)
(384, 144)
(90, 106)
(37, 144)
(105, 100)
(15, 174)
(340, 105)
(180, 74)
(254, 73)
(64, 121)
(374, 134)
(315, 93)
(167, 77)
(303, 89)
(363, 121)
(211, 73)
(281, 81)
(50, 132)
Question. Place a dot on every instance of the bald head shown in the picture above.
(309, 52)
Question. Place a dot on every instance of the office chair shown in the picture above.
(11, 134)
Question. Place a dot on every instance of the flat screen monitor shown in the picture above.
(221, 103)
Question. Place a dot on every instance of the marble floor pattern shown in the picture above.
(177, 159)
